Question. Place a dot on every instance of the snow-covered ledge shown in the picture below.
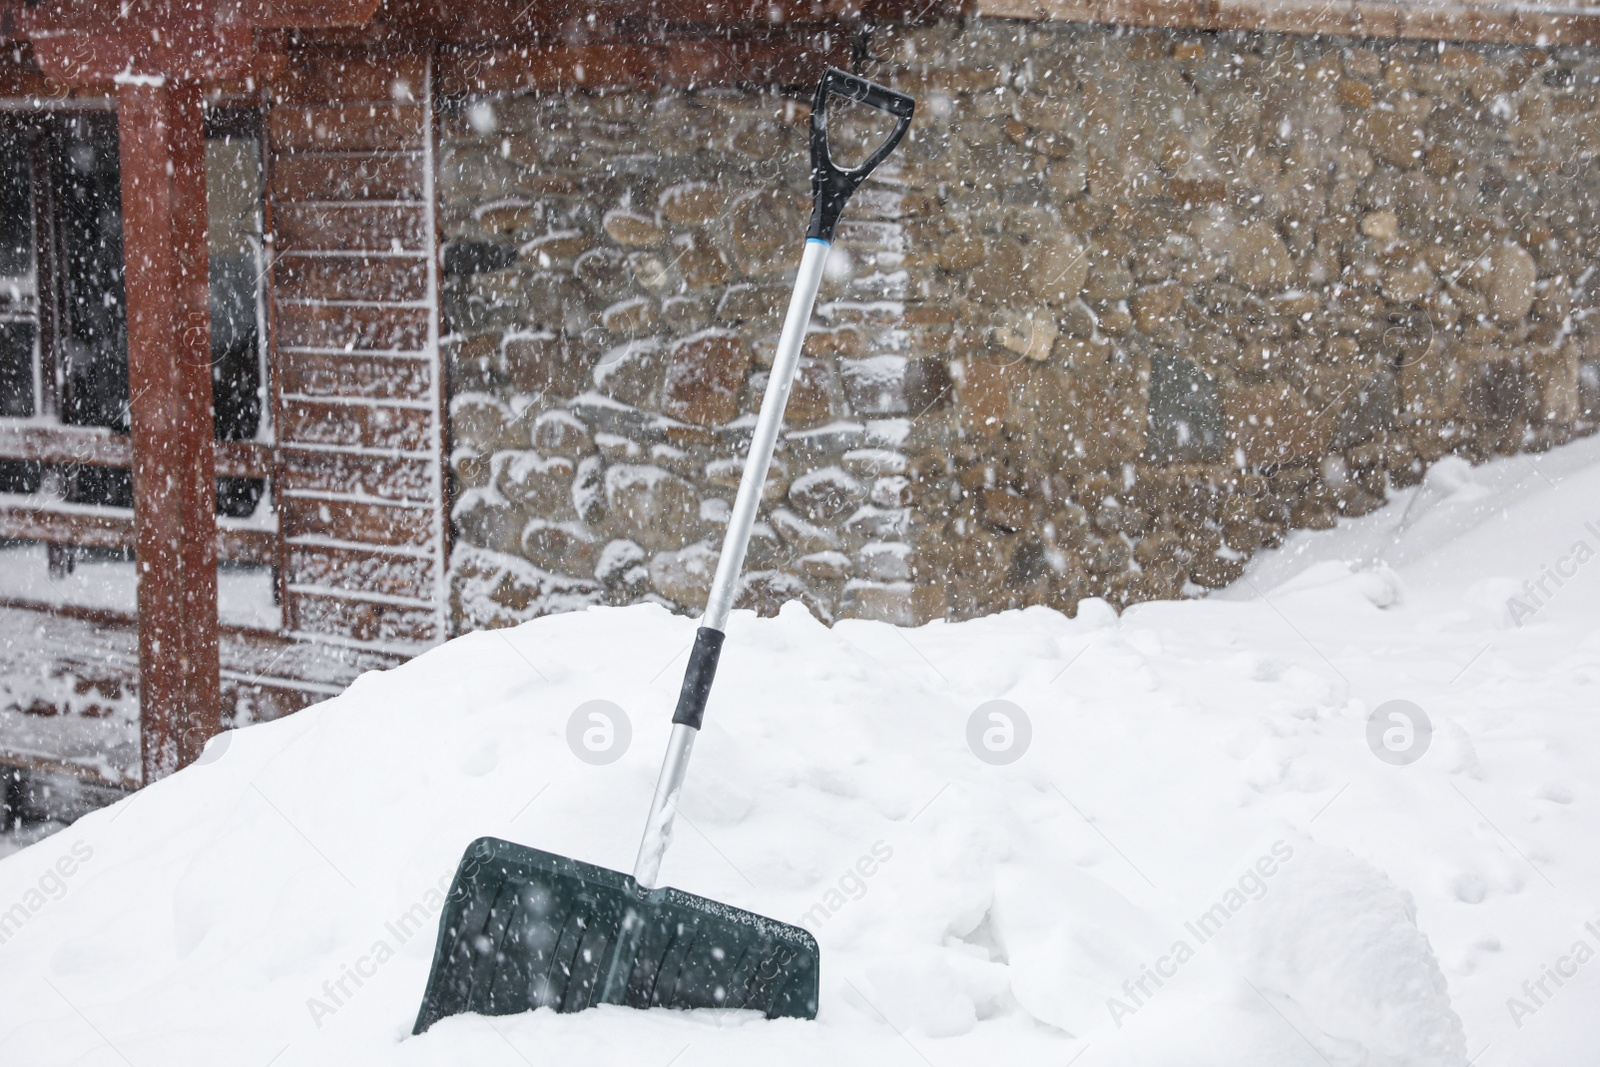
(1507, 23)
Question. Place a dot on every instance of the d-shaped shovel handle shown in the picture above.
(831, 186)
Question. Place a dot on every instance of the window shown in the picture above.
(64, 363)
(63, 353)
(234, 191)
(63, 328)
(63, 273)
(18, 288)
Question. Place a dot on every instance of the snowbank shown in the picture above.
(1198, 859)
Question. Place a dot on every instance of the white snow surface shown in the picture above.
(244, 593)
(1197, 861)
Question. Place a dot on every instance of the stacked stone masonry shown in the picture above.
(1125, 308)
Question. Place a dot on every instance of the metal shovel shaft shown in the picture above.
(663, 806)
(765, 437)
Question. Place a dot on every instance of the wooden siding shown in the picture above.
(360, 432)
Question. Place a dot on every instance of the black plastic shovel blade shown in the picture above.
(526, 929)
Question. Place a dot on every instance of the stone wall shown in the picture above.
(1124, 308)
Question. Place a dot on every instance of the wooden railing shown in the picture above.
(96, 447)
(36, 517)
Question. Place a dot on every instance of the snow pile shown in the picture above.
(1196, 860)
(1339, 946)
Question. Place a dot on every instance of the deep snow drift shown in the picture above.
(1198, 860)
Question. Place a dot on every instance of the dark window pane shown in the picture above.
(94, 345)
(16, 215)
(100, 485)
(19, 476)
(237, 497)
(16, 369)
(235, 348)
(233, 232)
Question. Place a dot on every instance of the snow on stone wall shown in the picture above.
(617, 271)
(1125, 307)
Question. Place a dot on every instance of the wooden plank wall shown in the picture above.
(360, 426)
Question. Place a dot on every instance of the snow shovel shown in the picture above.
(524, 929)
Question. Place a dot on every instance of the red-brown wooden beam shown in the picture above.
(500, 21)
(161, 128)
(777, 58)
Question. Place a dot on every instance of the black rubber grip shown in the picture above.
(697, 678)
(832, 186)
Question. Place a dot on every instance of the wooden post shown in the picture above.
(162, 150)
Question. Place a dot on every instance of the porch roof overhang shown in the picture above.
(78, 47)
(79, 42)
(76, 43)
